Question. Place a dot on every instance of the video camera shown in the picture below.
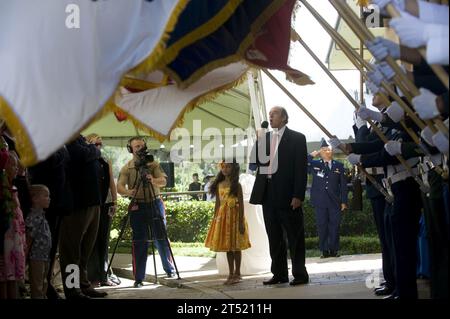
(143, 158)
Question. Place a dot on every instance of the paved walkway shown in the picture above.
(346, 277)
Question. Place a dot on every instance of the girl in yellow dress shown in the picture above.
(228, 231)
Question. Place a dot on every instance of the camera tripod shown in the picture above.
(149, 198)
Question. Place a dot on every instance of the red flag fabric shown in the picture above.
(271, 46)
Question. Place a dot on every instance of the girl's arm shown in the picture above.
(241, 210)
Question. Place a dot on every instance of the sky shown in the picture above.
(324, 99)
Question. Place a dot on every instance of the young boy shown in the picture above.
(39, 240)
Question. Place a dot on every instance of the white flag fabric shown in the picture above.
(61, 61)
(159, 109)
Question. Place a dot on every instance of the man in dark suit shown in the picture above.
(280, 188)
(329, 196)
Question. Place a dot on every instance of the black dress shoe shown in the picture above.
(334, 254)
(274, 281)
(325, 254)
(52, 293)
(138, 284)
(91, 292)
(296, 282)
(384, 291)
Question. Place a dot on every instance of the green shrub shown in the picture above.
(350, 245)
(122, 209)
(189, 221)
(353, 223)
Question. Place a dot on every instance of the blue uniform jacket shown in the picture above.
(329, 188)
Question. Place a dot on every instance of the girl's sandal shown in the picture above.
(229, 280)
(236, 279)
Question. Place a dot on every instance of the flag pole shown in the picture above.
(364, 33)
(437, 69)
(357, 106)
(386, 86)
(360, 63)
(388, 197)
(361, 53)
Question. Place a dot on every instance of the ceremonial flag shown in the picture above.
(271, 46)
(61, 61)
(211, 34)
(160, 110)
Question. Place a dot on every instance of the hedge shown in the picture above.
(189, 221)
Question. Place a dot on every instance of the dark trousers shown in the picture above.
(436, 225)
(98, 261)
(291, 222)
(328, 220)
(78, 234)
(379, 207)
(405, 216)
(140, 221)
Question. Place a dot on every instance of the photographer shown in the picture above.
(141, 207)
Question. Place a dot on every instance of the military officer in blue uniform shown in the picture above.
(329, 197)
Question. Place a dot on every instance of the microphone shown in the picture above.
(264, 124)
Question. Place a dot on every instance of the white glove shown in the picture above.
(386, 70)
(395, 112)
(374, 89)
(358, 121)
(399, 4)
(425, 104)
(427, 135)
(413, 32)
(441, 142)
(365, 114)
(354, 158)
(393, 148)
(375, 76)
(381, 48)
(334, 142)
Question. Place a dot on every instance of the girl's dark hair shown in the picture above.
(234, 180)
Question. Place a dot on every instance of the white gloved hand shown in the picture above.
(395, 112)
(374, 89)
(393, 148)
(375, 76)
(354, 159)
(441, 142)
(386, 70)
(413, 32)
(425, 104)
(365, 114)
(381, 48)
(427, 135)
(358, 121)
(399, 4)
(334, 142)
